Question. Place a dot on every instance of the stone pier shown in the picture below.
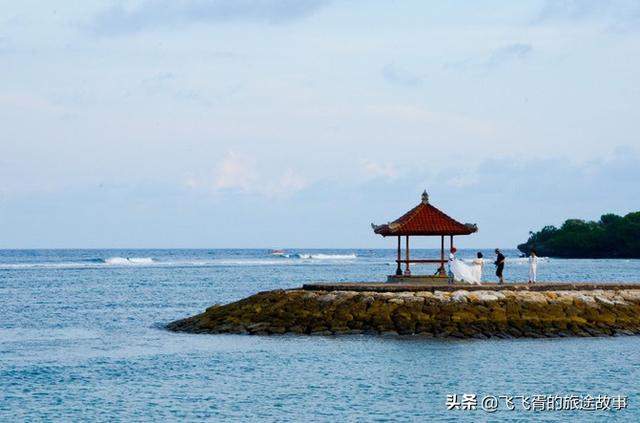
(512, 311)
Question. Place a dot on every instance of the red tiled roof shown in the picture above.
(425, 219)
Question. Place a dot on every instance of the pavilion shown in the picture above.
(423, 220)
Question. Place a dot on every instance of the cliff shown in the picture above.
(457, 314)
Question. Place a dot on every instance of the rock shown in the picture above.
(257, 327)
(425, 334)
(503, 335)
(414, 300)
(212, 308)
(459, 296)
(479, 296)
(327, 298)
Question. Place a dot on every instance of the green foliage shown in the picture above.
(612, 236)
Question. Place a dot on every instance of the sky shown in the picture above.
(298, 123)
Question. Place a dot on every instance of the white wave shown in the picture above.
(125, 261)
(524, 260)
(248, 262)
(327, 256)
(115, 262)
(518, 261)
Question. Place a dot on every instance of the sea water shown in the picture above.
(82, 338)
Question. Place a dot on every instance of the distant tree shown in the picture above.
(612, 236)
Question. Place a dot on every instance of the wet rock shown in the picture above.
(297, 329)
(255, 327)
(425, 334)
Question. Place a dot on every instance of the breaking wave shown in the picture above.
(326, 256)
(125, 261)
(114, 262)
(524, 260)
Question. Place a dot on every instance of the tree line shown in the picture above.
(612, 236)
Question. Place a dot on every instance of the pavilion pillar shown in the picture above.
(407, 271)
(441, 269)
(399, 269)
(450, 242)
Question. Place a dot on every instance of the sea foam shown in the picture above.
(124, 261)
(327, 256)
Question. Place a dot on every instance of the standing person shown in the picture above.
(500, 258)
(452, 257)
(476, 270)
(533, 266)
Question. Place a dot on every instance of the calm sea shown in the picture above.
(81, 338)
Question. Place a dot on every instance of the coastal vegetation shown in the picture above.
(612, 236)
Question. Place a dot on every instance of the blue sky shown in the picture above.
(283, 123)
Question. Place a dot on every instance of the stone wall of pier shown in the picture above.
(458, 314)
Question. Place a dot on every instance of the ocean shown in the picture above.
(82, 338)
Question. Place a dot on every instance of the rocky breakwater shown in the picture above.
(457, 314)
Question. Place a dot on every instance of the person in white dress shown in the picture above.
(478, 265)
(452, 257)
(462, 272)
(533, 267)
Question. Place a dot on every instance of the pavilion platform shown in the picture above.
(415, 287)
(435, 280)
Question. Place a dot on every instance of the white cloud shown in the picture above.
(28, 102)
(235, 171)
(240, 173)
(508, 53)
(289, 183)
(374, 169)
(463, 180)
(168, 13)
(621, 15)
(401, 76)
(416, 114)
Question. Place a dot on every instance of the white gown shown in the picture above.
(478, 264)
(462, 272)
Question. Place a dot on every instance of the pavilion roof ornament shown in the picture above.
(425, 197)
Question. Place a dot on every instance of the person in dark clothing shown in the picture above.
(499, 266)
